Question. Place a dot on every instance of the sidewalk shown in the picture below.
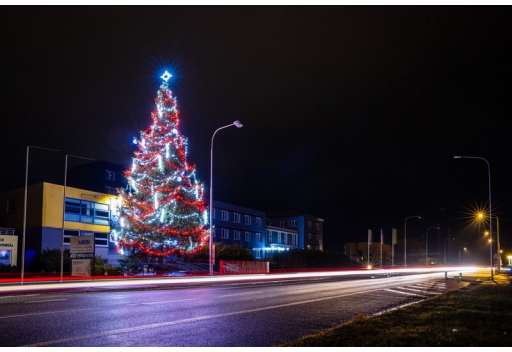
(484, 277)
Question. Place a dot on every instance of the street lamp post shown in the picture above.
(498, 242)
(25, 211)
(490, 203)
(64, 214)
(459, 253)
(426, 243)
(405, 237)
(210, 260)
(447, 238)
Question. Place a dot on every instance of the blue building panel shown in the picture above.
(236, 225)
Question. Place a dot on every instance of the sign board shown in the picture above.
(81, 244)
(8, 249)
(81, 253)
(81, 267)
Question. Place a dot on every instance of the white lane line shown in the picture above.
(241, 294)
(44, 313)
(161, 302)
(189, 320)
(47, 300)
(422, 291)
(403, 293)
(17, 296)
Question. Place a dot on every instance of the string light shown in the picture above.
(164, 211)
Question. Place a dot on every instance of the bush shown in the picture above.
(50, 260)
(305, 258)
(9, 269)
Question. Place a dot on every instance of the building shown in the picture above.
(91, 193)
(99, 176)
(310, 229)
(236, 225)
(50, 221)
(233, 224)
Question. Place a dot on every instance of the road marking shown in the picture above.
(43, 313)
(241, 294)
(47, 300)
(422, 291)
(160, 302)
(189, 320)
(404, 293)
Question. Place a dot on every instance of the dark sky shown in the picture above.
(351, 113)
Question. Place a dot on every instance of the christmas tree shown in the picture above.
(162, 213)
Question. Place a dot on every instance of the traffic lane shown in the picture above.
(103, 316)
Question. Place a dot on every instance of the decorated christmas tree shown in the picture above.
(162, 213)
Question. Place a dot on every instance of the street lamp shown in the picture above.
(64, 214)
(498, 242)
(498, 249)
(490, 204)
(405, 237)
(447, 238)
(239, 125)
(25, 211)
(459, 253)
(426, 244)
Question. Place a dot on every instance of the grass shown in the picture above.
(479, 315)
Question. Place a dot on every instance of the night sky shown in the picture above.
(351, 113)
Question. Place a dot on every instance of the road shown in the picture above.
(227, 314)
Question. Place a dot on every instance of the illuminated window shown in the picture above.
(257, 253)
(236, 235)
(247, 219)
(224, 233)
(258, 221)
(247, 236)
(78, 210)
(258, 237)
(236, 217)
(224, 215)
(269, 236)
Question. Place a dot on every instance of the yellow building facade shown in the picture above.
(54, 215)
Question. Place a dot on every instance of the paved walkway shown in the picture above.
(484, 277)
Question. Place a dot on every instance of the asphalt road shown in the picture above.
(231, 314)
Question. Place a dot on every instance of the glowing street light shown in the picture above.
(238, 125)
(490, 203)
(405, 237)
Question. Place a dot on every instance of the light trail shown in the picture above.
(10, 287)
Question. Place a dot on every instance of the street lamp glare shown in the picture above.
(457, 157)
(237, 124)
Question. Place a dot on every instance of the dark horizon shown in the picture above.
(352, 114)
